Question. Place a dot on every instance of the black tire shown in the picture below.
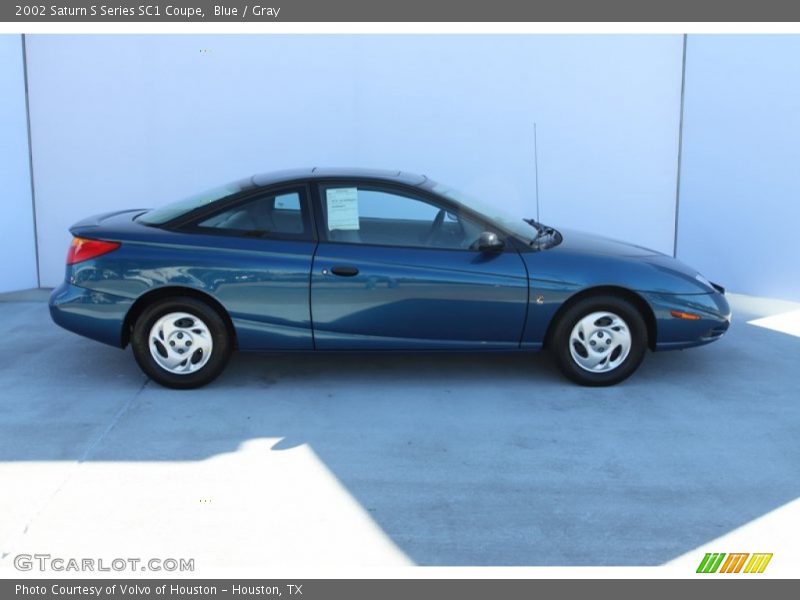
(216, 360)
(560, 345)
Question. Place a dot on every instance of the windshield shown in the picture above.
(512, 224)
(171, 211)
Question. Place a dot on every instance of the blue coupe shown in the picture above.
(348, 259)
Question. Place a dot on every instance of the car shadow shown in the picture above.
(461, 459)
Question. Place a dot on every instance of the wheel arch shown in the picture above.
(609, 290)
(172, 292)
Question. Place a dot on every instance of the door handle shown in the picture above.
(344, 270)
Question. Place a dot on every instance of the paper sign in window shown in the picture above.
(342, 208)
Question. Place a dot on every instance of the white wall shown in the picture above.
(17, 247)
(129, 121)
(740, 192)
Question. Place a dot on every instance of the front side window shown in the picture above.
(370, 215)
(508, 222)
(278, 215)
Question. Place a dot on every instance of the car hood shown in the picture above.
(580, 241)
(631, 265)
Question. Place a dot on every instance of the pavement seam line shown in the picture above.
(123, 410)
(114, 421)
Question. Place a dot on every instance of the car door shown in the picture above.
(397, 268)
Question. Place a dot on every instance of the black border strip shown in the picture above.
(442, 11)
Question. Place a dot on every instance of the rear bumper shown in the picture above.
(674, 333)
(96, 315)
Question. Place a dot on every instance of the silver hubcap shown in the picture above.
(600, 342)
(180, 343)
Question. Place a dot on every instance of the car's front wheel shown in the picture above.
(181, 342)
(599, 340)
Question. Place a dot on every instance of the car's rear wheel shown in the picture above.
(181, 342)
(599, 340)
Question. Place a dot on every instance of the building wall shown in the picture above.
(132, 121)
(740, 184)
(17, 246)
(129, 121)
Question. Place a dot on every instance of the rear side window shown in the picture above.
(281, 215)
(288, 202)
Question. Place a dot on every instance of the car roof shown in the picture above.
(335, 172)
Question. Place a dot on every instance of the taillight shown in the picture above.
(83, 249)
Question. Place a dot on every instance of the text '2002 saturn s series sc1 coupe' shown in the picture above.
(347, 259)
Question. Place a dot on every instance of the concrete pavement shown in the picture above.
(365, 460)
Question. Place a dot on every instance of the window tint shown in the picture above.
(374, 204)
(174, 210)
(369, 215)
(287, 202)
(273, 215)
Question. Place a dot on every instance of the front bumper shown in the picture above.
(96, 315)
(674, 333)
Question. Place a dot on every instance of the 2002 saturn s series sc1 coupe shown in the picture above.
(344, 259)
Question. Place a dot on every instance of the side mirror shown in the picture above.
(489, 242)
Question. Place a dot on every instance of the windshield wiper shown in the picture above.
(541, 230)
(533, 223)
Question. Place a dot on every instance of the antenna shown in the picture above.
(536, 168)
